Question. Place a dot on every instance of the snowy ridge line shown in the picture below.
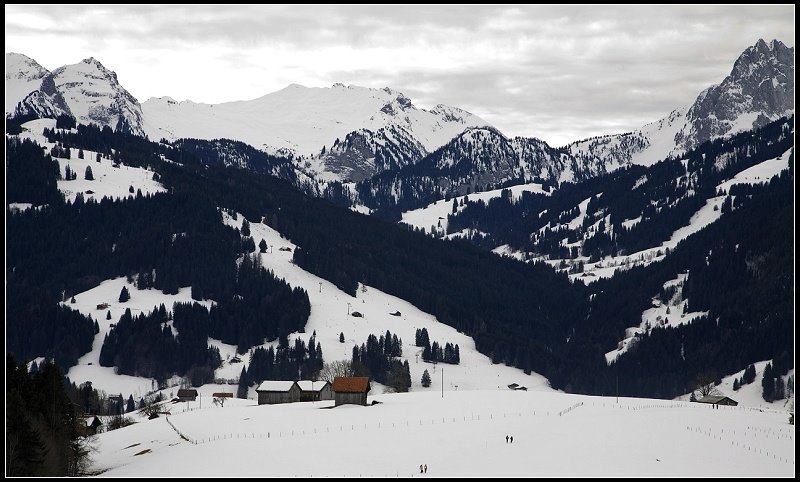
(750, 448)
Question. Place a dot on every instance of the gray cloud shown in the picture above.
(556, 72)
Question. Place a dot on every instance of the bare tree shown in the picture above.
(704, 384)
(338, 368)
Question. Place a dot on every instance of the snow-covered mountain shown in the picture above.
(87, 91)
(361, 129)
(94, 95)
(23, 76)
(759, 89)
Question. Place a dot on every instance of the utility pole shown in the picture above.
(320, 286)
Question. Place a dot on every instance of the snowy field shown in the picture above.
(462, 434)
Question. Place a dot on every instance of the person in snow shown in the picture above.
(506, 438)
(420, 468)
(426, 468)
(512, 439)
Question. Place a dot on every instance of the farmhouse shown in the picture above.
(187, 394)
(718, 400)
(351, 390)
(278, 391)
(314, 391)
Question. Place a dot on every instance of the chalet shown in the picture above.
(396, 313)
(351, 390)
(278, 391)
(314, 391)
(223, 395)
(102, 306)
(93, 425)
(718, 399)
(513, 386)
(187, 395)
(357, 314)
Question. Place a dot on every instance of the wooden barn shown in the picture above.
(311, 391)
(278, 391)
(93, 425)
(351, 390)
(187, 394)
(718, 400)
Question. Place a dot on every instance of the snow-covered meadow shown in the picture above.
(461, 434)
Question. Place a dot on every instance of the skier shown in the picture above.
(420, 468)
(426, 468)
(512, 439)
(506, 438)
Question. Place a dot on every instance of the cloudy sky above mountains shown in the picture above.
(557, 73)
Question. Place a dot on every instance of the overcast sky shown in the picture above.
(557, 73)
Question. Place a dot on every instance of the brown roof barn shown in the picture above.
(351, 390)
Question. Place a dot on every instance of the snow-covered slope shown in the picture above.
(303, 120)
(95, 96)
(462, 434)
(329, 318)
(110, 180)
(435, 214)
(142, 301)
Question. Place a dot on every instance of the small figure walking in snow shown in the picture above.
(512, 439)
(426, 468)
(420, 468)
(506, 438)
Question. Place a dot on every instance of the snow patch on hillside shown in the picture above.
(672, 313)
(142, 301)
(436, 212)
(760, 173)
(109, 181)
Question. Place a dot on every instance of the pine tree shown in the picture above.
(262, 246)
(88, 175)
(131, 406)
(341, 337)
(735, 384)
(426, 379)
(72, 300)
(768, 384)
(245, 228)
(241, 392)
(96, 327)
(124, 295)
(80, 153)
(108, 315)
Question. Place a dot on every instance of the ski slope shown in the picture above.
(462, 434)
